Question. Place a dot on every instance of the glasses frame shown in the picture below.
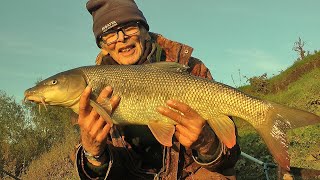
(117, 30)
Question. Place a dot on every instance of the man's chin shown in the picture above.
(129, 60)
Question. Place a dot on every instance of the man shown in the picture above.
(131, 152)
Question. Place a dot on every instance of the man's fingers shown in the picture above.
(103, 97)
(103, 133)
(97, 127)
(183, 140)
(192, 136)
(84, 106)
(114, 101)
(182, 107)
(105, 93)
(172, 115)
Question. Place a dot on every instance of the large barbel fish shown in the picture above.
(143, 88)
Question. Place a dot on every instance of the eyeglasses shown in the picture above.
(128, 30)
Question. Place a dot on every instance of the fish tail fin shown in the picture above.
(294, 117)
(278, 120)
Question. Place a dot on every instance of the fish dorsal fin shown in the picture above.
(170, 66)
(224, 128)
(163, 132)
(100, 108)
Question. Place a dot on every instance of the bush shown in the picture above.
(25, 134)
(260, 84)
(56, 163)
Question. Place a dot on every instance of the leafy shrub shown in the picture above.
(56, 163)
(260, 84)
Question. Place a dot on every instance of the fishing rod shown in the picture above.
(266, 166)
(303, 173)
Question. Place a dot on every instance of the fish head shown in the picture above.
(63, 89)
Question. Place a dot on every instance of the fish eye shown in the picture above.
(53, 82)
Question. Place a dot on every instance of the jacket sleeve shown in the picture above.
(223, 158)
(86, 170)
(116, 168)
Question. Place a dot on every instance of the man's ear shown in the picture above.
(144, 31)
(100, 56)
(104, 52)
(148, 38)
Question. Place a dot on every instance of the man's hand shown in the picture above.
(93, 128)
(190, 123)
(192, 131)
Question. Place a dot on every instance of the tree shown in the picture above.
(25, 133)
(298, 47)
(51, 124)
(11, 128)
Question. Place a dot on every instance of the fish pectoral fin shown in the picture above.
(107, 105)
(101, 111)
(224, 128)
(163, 132)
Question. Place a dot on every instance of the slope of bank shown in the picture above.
(300, 89)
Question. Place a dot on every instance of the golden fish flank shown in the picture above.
(143, 88)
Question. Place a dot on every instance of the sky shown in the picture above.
(40, 38)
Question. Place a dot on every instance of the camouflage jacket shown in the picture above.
(131, 158)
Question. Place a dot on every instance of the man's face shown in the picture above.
(125, 49)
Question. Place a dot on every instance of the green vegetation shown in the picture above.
(297, 87)
(262, 85)
(56, 163)
(27, 136)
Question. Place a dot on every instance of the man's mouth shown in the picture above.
(128, 50)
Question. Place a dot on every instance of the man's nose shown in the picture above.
(121, 36)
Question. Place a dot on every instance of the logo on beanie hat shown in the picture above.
(109, 26)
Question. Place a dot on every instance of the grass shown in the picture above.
(304, 142)
(302, 93)
(55, 164)
(300, 64)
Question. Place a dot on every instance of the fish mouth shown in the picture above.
(36, 99)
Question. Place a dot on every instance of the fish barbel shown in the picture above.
(143, 88)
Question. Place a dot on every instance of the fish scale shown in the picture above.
(151, 94)
(143, 88)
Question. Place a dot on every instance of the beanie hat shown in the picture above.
(107, 14)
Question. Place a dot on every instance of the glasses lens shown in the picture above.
(131, 30)
(110, 37)
(128, 30)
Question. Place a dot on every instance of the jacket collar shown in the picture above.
(174, 51)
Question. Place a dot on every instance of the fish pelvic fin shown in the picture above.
(224, 128)
(163, 132)
(278, 120)
(101, 111)
(107, 105)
